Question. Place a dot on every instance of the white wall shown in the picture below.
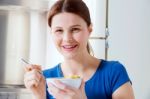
(129, 24)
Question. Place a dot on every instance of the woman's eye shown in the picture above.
(58, 31)
(75, 30)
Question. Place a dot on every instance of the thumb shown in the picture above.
(82, 87)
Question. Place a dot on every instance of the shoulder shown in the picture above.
(116, 73)
(111, 65)
(51, 72)
(113, 70)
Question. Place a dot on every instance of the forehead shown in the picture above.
(67, 19)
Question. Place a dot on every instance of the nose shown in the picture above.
(68, 37)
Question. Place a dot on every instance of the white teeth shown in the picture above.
(69, 46)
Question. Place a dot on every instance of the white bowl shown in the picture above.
(73, 82)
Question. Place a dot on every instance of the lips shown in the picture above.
(69, 47)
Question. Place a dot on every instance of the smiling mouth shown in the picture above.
(69, 47)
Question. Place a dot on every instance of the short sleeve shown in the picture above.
(119, 76)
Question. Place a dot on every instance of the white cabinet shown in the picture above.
(15, 96)
(97, 10)
(38, 23)
(98, 16)
(15, 93)
(98, 47)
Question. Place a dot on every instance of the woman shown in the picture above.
(70, 29)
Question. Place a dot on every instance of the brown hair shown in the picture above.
(77, 7)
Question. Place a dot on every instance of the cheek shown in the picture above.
(56, 40)
(78, 38)
(81, 38)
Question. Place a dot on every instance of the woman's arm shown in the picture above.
(124, 92)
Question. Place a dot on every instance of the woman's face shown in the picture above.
(70, 34)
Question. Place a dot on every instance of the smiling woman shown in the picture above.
(71, 28)
(84, 13)
(70, 38)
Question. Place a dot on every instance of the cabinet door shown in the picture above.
(98, 16)
(98, 47)
(38, 30)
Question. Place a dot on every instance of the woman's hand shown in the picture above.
(35, 81)
(62, 91)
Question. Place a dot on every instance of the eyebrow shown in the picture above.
(75, 25)
(71, 26)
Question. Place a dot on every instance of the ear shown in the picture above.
(90, 28)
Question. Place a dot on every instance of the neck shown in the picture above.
(78, 65)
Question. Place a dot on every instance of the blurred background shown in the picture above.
(120, 32)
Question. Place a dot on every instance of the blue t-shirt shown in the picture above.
(109, 76)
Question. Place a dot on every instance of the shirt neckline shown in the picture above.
(94, 74)
(92, 77)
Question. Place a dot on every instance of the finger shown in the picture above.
(36, 74)
(60, 85)
(30, 67)
(82, 87)
(32, 83)
(55, 90)
(32, 75)
(56, 95)
(32, 78)
(38, 67)
(65, 87)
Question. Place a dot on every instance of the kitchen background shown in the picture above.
(121, 32)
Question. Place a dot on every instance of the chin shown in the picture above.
(69, 56)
